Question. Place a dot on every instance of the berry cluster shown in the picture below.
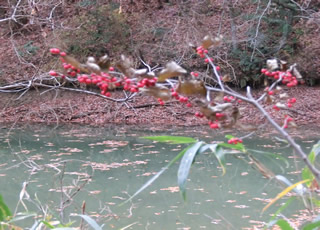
(201, 51)
(104, 81)
(287, 77)
(234, 141)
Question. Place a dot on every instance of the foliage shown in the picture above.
(6, 220)
(269, 36)
(100, 27)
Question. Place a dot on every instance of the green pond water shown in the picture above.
(109, 164)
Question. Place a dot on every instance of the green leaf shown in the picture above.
(91, 222)
(4, 210)
(185, 166)
(229, 137)
(47, 224)
(314, 152)
(306, 173)
(284, 225)
(238, 146)
(313, 225)
(172, 139)
(152, 179)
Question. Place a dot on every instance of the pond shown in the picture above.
(103, 167)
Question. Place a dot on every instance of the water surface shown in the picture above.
(104, 166)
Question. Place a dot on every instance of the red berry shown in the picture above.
(174, 94)
(198, 114)
(206, 60)
(73, 74)
(214, 126)
(276, 108)
(293, 100)
(88, 81)
(111, 68)
(289, 105)
(63, 54)
(54, 51)
(53, 73)
(189, 105)
(218, 68)
(270, 92)
(134, 90)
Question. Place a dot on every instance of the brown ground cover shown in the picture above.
(58, 107)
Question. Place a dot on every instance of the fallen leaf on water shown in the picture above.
(95, 192)
(171, 189)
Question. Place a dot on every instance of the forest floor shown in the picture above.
(61, 107)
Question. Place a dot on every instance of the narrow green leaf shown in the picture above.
(156, 176)
(312, 226)
(4, 210)
(47, 224)
(91, 222)
(172, 139)
(284, 225)
(185, 166)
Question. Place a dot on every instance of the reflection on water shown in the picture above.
(108, 165)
